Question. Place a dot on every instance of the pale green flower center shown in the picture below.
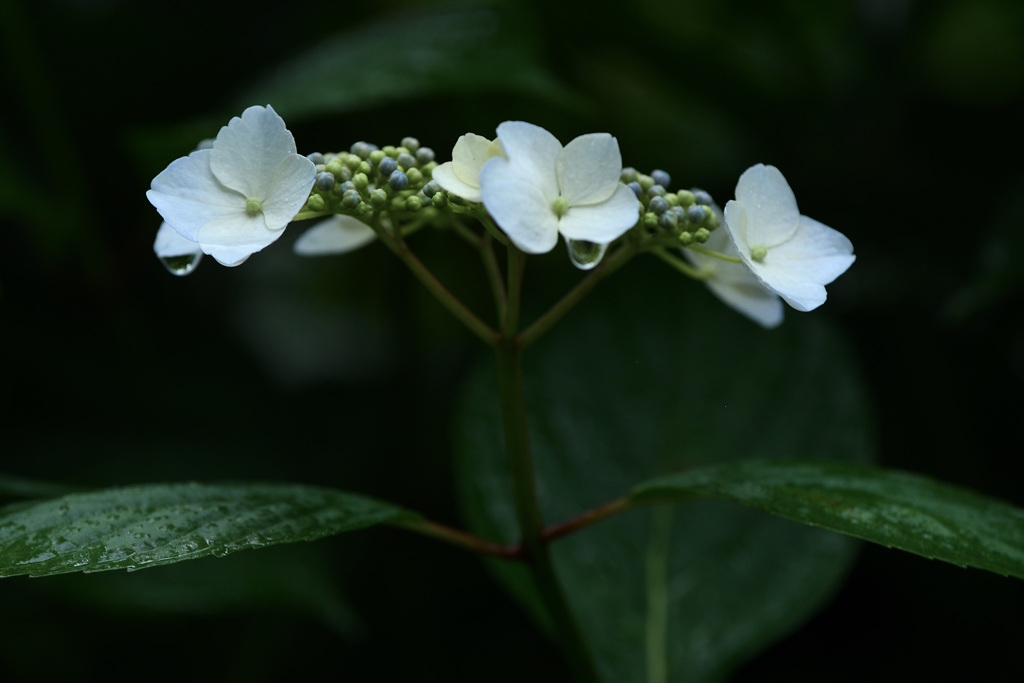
(759, 252)
(560, 206)
(253, 206)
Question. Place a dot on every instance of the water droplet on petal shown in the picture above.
(181, 265)
(585, 255)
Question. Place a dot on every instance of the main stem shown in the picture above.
(567, 631)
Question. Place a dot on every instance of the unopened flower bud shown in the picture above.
(658, 205)
(324, 181)
(661, 178)
(702, 197)
(316, 157)
(411, 144)
(351, 199)
(413, 203)
(414, 175)
(377, 156)
(398, 181)
(696, 214)
(406, 160)
(360, 181)
(424, 155)
(315, 203)
(386, 166)
(701, 235)
(635, 186)
(378, 198)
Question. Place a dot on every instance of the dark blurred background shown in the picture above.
(897, 122)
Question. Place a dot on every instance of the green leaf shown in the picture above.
(147, 526)
(438, 51)
(626, 389)
(896, 509)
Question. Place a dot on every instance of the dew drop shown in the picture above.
(181, 265)
(585, 255)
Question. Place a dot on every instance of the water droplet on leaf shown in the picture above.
(181, 265)
(585, 255)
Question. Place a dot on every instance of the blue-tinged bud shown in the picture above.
(430, 189)
(655, 190)
(324, 181)
(351, 199)
(406, 160)
(702, 197)
(424, 155)
(316, 157)
(411, 144)
(661, 178)
(696, 214)
(635, 186)
(398, 181)
(386, 166)
(668, 221)
(345, 187)
(658, 205)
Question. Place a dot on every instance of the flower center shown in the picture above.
(253, 206)
(560, 206)
(759, 252)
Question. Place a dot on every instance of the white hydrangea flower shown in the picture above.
(236, 197)
(792, 255)
(734, 284)
(336, 235)
(461, 175)
(540, 189)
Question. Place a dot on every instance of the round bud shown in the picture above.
(378, 198)
(702, 197)
(661, 177)
(324, 181)
(424, 155)
(658, 205)
(635, 186)
(430, 189)
(398, 181)
(668, 221)
(376, 156)
(628, 174)
(685, 198)
(411, 144)
(650, 220)
(387, 166)
(645, 181)
(360, 181)
(316, 157)
(415, 177)
(390, 150)
(655, 190)
(315, 203)
(406, 160)
(334, 167)
(696, 214)
(685, 237)
(413, 203)
(351, 199)
(702, 235)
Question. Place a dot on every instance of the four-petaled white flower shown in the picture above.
(336, 235)
(236, 197)
(734, 284)
(461, 175)
(540, 189)
(792, 255)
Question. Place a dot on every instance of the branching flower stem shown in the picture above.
(567, 630)
(394, 242)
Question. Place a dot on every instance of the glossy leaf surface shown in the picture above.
(147, 526)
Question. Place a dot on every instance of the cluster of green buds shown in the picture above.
(369, 179)
(687, 216)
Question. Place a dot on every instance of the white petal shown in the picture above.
(470, 154)
(604, 222)
(170, 243)
(799, 269)
(735, 285)
(337, 235)
(248, 151)
(188, 196)
(519, 204)
(534, 148)
(233, 239)
(446, 178)
(292, 181)
(589, 169)
(772, 213)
